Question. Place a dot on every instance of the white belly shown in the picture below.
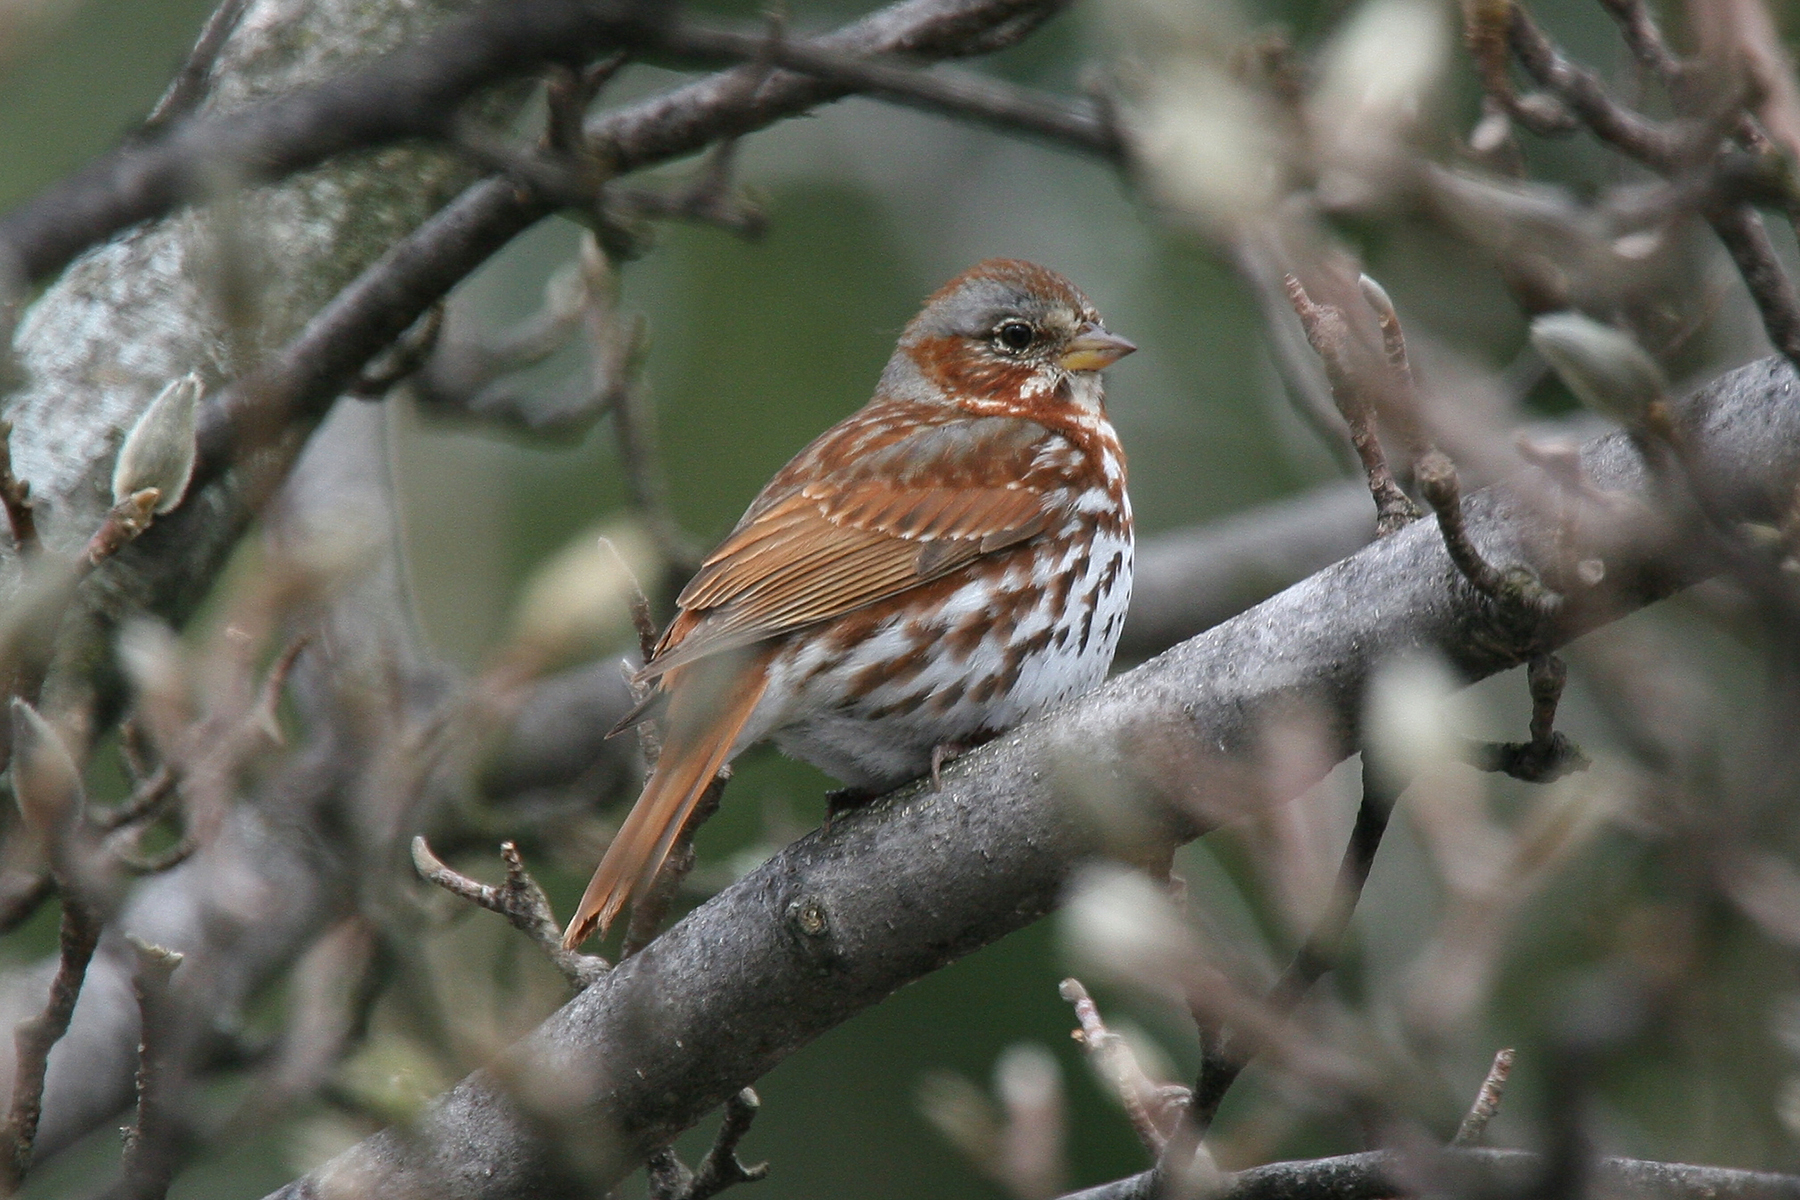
(952, 687)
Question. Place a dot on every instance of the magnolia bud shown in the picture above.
(578, 600)
(1123, 927)
(46, 781)
(1606, 369)
(159, 451)
(1405, 718)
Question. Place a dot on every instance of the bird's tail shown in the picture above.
(710, 702)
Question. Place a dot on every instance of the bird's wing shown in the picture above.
(844, 540)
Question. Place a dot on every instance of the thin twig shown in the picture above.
(1487, 1101)
(1485, 25)
(124, 522)
(670, 1178)
(1645, 40)
(151, 1148)
(1223, 1056)
(1154, 1110)
(167, 860)
(35, 1035)
(618, 346)
(520, 900)
(721, 1168)
(15, 495)
(188, 88)
(403, 359)
(711, 199)
(1742, 232)
(1516, 589)
(1329, 335)
(21, 900)
(146, 800)
(1548, 755)
(1649, 142)
(1404, 411)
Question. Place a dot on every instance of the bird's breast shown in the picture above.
(867, 696)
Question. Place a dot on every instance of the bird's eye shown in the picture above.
(1014, 336)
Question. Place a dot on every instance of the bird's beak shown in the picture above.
(1092, 349)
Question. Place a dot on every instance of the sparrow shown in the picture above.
(947, 562)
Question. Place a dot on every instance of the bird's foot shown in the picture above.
(942, 753)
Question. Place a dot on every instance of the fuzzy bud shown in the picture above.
(1405, 718)
(1606, 369)
(159, 451)
(1124, 928)
(578, 601)
(46, 781)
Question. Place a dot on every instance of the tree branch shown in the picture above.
(417, 90)
(1378, 1174)
(834, 923)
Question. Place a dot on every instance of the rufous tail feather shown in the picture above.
(700, 726)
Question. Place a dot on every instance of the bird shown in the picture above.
(948, 561)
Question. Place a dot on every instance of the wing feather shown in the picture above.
(834, 545)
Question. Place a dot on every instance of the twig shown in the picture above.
(124, 523)
(644, 624)
(1404, 412)
(168, 860)
(35, 1035)
(1647, 141)
(721, 1168)
(1223, 1056)
(1549, 755)
(567, 95)
(21, 900)
(1329, 335)
(1154, 1110)
(189, 86)
(404, 358)
(151, 1143)
(1485, 25)
(1645, 40)
(1546, 676)
(1738, 227)
(618, 347)
(415, 92)
(1463, 1172)
(710, 200)
(15, 495)
(1516, 589)
(262, 716)
(520, 900)
(146, 800)
(463, 375)
(1487, 1101)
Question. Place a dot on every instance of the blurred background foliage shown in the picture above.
(758, 346)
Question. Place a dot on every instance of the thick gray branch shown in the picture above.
(1189, 580)
(1382, 1173)
(840, 919)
